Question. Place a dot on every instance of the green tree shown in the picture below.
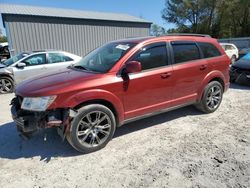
(2, 37)
(156, 30)
(219, 18)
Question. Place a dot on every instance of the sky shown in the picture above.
(146, 9)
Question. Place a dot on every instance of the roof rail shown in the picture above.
(187, 34)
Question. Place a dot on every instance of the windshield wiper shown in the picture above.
(80, 67)
(83, 68)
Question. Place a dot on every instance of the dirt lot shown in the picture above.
(182, 148)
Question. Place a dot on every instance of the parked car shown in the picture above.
(26, 65)
(4, 51)
(120, 82)
(243, 52)
(231, 51)
(240, 70)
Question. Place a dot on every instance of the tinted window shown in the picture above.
(229, 47)
(152, 56)
(209, 50)
(58, 57)
(35, 60)
(185, 52)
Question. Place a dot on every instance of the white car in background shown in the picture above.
(27, 65)
(231, 51)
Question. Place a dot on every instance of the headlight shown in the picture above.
(37, 103)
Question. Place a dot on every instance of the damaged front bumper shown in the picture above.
(240, 76)
(28, 122)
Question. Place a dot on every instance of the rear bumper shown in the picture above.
(226, 86)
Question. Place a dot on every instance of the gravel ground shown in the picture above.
(182, 148)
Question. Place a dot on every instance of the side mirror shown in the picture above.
(133, 67)
(20, 65)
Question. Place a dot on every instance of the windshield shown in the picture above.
(105, 57)
(14, 59)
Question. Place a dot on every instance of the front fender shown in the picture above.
(95, 94)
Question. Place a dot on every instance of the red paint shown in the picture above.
(142, 92)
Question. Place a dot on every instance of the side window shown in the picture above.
(152, 56)
(185, 52)
(38, 59)
(209, 50)
(58, 57)
(229, 47)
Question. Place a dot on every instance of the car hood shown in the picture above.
(53, 83)
(242, 63)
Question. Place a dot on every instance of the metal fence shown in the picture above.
(243, 42)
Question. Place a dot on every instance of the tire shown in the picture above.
(6, 85)
(211, 98)
(92, 128)
(233, 59)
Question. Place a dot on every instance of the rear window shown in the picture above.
(209, 50)
(185, 52)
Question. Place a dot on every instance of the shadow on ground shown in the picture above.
(12, 146)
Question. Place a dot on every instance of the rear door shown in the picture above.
(189, 70)
(35, 65)
(57, 61)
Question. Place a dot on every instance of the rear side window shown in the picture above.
(229, 47)
(209, 50)
(185, 52)
(58, 57)
(152, 56)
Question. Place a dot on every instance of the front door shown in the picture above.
(151, 89)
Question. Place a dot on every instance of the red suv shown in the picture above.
(120, 82)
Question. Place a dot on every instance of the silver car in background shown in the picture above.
(26, 65)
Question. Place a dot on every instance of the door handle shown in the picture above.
(166, 75)
(203, 67)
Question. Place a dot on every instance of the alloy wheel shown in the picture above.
(94, 129)
(214, 97)
(5, 85)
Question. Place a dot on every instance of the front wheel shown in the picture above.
(211, 98)
(6, 85)
(92, 128)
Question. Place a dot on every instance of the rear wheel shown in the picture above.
(92, 128)
(6, 85)
(211, 98)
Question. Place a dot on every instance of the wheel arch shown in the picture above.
(103, 102)
(93, 96)
(7, 75)
(213, 76)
